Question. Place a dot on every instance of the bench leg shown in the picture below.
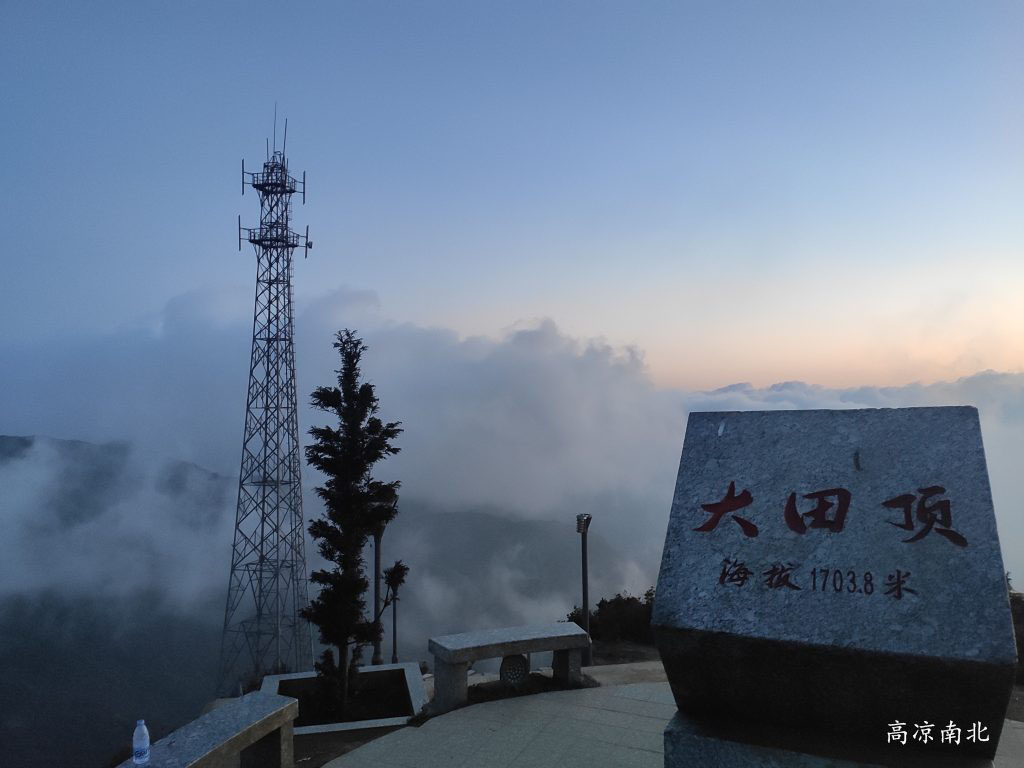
(449, 685)
(257, 754)
(287, 736)
(566, 666)
(275, 750)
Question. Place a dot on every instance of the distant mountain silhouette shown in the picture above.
(93, 476)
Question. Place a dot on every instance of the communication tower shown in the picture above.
(263, 631)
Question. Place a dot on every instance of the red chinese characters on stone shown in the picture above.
(896, 584)
(818, 515)
(937, 515)
(734, 572)
(779, 575)
(729, 503)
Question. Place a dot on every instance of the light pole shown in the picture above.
(582, 524)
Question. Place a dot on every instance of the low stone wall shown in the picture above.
(293, 683)
(255, 729)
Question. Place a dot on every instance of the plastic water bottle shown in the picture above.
(140, 744)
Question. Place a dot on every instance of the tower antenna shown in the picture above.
(264, 632)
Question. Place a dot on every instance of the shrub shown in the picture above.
(623, 617)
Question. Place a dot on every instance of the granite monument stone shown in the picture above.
(837, 574)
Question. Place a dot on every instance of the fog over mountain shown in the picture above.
(115, 550)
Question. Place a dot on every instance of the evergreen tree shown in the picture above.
(355, 504)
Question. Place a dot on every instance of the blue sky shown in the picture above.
(744, 191)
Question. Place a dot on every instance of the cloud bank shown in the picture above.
(533, 426)
(506, 440)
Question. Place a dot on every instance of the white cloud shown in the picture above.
(533, 426)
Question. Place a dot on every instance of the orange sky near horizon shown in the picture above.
(822, 323)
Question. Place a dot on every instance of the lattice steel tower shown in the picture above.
(263, 632)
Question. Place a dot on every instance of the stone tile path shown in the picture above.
(618, 726)
(615, 726)
(622, 674)
(1011, 745)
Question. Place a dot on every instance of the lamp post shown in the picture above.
(582, 524)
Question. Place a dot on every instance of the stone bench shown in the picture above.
(255, 729)
(453, 654)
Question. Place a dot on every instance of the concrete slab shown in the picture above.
(492, 643)
(614, 726)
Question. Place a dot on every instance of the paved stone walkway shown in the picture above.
(623, 674)
(1011, 745)
(615, 726)
(586, 728)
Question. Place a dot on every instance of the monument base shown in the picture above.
(693, 743)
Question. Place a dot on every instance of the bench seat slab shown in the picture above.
(494, 643)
